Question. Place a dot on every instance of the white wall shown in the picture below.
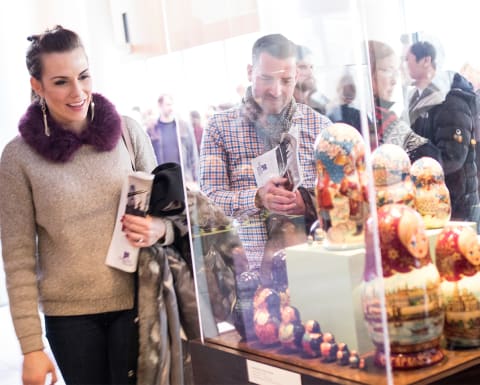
(452, 25)
(198, 77)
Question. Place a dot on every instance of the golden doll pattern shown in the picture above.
(391, 173)
(432, 198)
(403, 241)
(457, 252)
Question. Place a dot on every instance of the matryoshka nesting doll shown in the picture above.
(458, 261)
(291, 329)
(341, 185)
(411, 285)
(328, 348)
(391, 174)
(266, 316)
(343, 354)
(432, 199)
(312, 339)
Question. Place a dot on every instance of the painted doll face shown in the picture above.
(412, 234)
(469, 246)
(288, 314)
(418, 244)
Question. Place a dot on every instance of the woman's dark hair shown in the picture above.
(57, 39)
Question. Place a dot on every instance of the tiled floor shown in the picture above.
(10, 356)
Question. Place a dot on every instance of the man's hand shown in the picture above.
(36, 366)
(277, 199)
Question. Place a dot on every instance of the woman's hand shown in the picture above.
(143, 231)
(36, 366)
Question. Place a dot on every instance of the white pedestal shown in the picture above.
(326, 285)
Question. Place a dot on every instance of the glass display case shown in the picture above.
(332, 242)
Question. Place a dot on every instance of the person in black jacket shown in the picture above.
(450, 126)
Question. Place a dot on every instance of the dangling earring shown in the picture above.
(92, 110)
(44, 113)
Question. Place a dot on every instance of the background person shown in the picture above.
(384, 69)
(450, 124)
(344, 112)
(306, 90)
(422, 69)
(165, 134)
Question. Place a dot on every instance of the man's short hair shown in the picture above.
(422, 49)
(162, 97)
(302, 52)
(275, 45)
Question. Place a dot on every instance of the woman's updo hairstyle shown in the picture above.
(57, 39)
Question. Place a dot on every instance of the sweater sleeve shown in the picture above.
(145, 160)
(142, 146)
(17, 226)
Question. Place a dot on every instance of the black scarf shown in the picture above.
(271, 129)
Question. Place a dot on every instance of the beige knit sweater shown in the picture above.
(56, 225)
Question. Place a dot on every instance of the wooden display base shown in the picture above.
(224, 360)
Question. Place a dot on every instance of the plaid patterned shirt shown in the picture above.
(229, 144)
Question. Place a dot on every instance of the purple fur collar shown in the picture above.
(103, 133)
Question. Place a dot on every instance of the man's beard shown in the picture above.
(269, 127)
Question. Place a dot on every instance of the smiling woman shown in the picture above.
(61, 180)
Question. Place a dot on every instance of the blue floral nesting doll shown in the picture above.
(341, 185)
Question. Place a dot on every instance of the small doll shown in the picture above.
(266, 317)
(311, 344)
(329, 348)
(312, 338)
(291, 330)
(343, 354)
(355, 361)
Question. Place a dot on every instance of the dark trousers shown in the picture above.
(95, 349)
